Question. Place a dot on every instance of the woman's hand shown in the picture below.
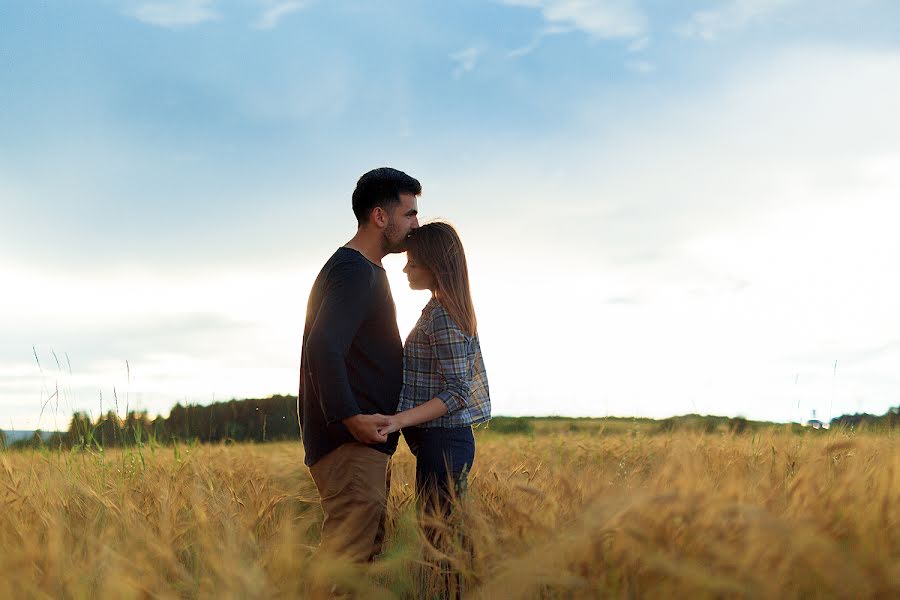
(392, 424)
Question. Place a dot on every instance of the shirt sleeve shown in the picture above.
(449, 345)
(344, 306)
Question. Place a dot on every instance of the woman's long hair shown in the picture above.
(437, 247)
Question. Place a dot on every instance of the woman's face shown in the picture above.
(420, 277)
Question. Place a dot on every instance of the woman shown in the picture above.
(445, 387)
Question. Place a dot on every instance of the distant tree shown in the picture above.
(37, 439)
(80, 433)
(137, 427)
(282, 423)
(253, 419)
(738, 425)
(889, 420)
(178, 422)
(2, 440)
(160, 429)
(56, 440)
(892, 417)
(109, 430)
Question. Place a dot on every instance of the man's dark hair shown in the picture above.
(381, 187)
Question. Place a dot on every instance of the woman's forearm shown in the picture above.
(422, 413)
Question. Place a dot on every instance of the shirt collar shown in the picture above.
(431, 304)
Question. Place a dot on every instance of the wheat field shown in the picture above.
(568, 515)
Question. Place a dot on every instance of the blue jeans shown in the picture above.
(444, 456)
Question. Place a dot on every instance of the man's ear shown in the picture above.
(379, 217)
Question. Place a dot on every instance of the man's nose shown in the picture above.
(415, 223)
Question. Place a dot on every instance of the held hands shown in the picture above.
(369, 429)
(393, 424)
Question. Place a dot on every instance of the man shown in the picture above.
(351, 369)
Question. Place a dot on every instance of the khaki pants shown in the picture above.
(353, 483)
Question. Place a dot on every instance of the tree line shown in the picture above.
(275, 419)
(889, 420)
(251, 420)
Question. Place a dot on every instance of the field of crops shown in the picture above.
(569, 514)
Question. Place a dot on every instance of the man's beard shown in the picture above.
(388, 245)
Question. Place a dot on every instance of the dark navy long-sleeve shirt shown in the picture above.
(352, 359)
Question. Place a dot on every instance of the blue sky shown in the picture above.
(669, 207)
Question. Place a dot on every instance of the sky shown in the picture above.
(667, 207)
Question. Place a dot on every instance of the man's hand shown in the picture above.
(365, 428)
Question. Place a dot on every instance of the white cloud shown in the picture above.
(605, 19)
(528, 48)
(176, 13)
(537, 39)
(275, 12)
(465, 60)
(733, 15)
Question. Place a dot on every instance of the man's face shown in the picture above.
(402, 219)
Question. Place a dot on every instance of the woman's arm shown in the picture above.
(428, 411)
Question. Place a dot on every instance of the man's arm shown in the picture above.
(344, 306)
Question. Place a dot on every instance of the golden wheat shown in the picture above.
(579, 515)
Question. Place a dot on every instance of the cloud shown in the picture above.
(465, 60)
(536, 40)
(710, 24)
(176, 13)
(528, 48)
(275, 12)
(604, 19)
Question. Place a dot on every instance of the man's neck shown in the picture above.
(368, 245)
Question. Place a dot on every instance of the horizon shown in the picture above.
(666, 209)
(814, 418)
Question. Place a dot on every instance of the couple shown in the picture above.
(359, 385)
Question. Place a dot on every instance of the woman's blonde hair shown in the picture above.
(437, 247)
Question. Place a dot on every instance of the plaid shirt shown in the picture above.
(441, 361)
